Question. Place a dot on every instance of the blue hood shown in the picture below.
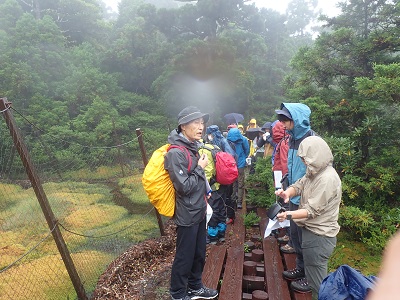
(234, 135)
(301, 119)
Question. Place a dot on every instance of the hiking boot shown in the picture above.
(287, 249)
(239, 206)
(202, 293)
(283, 239)
(211, 240)
(293, 274)
(301, 286)
(184, 298)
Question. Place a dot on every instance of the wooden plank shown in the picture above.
(289, 260)
(213, 268)
(300, 296)
(238, 230)
(277, 287)
(262, 213)
(231, 288)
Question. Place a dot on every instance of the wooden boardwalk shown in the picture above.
(224, 266)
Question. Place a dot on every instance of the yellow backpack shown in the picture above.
(157, 183)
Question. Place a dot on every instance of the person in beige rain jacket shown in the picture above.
(320, 193)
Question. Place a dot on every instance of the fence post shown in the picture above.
(42, 198)
(117, 140)
(145, 161)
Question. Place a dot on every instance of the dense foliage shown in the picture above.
(350, 79)
(89, 76)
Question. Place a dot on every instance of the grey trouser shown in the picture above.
(316, 252)
(296, 238)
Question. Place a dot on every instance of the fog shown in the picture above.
(328, 7)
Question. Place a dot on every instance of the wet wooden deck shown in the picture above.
(224, 266)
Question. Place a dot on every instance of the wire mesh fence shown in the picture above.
(97, 199)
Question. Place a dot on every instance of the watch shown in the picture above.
(288, 217)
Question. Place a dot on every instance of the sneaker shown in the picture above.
(301, 286)
(239, 206)
(283, 239)
(211, 240)
(221, 239)
(184, 298)
(229, 221)
(287, 249)
(203, 293)
(294, 274)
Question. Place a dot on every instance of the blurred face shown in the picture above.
(288, 124)
(193, 131)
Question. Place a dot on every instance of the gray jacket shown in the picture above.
(190, 187)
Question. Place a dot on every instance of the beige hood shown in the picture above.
(316, 153)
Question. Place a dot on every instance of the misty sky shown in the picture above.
(327, 6)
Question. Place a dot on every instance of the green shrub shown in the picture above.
(260, 186)
(374, 230)
(355, 221)
(251, 219)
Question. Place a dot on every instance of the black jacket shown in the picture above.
(190, 187)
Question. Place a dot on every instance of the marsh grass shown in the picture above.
(98, 232)
(58, 286)
(100, 173)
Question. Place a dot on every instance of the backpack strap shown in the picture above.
(184, 149)
(212, 150)
(213, 154)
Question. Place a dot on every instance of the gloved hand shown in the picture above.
(265, 136)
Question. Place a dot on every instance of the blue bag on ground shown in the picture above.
(346, 283)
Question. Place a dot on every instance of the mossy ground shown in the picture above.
(354, 254)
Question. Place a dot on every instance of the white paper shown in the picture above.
(209, 213)
(277, 179)
(274, 224)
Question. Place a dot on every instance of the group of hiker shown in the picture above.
(311, 193)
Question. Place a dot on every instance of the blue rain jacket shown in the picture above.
(301, 118)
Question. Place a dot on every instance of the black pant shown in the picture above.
(189, 259)
(230, 202)
(217, 203)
